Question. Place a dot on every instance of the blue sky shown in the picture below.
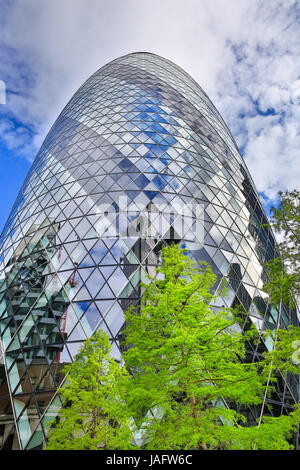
(245, 55)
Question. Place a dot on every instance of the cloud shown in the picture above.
(244, 54)
(260, 95)
(14, 137)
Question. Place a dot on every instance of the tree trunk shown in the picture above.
(196, 416)
(94, 422)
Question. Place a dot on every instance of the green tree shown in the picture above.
(188, 361)
(284, 271)
(95, 416)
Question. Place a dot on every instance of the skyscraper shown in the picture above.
(139, 157)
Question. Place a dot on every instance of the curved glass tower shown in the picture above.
(139, 157)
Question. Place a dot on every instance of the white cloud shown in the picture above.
(273, 157)
(265, 71)
(244, 54)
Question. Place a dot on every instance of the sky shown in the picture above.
(245, 54)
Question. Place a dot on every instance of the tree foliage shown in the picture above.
(95, 416)
(188, 360)
(187, 373)
(284, 271)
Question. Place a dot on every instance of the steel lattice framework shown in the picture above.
(138, 138)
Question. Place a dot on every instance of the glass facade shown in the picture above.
(139, 157)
